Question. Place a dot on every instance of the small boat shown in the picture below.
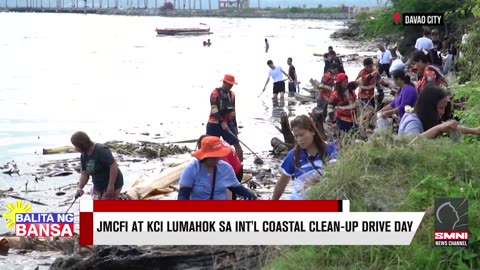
(183, 31)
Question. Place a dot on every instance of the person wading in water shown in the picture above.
(278, 81)
(292, 86)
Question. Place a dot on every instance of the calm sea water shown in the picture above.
(108, 75)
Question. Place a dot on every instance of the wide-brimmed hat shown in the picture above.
(341, 77)
(212, 147)
(230, 79)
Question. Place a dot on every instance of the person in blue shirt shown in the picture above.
(306, 161)
(207, 177)
(426, 117)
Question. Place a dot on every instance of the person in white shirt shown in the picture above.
(424, 43)
(278, 82)
(384, 58)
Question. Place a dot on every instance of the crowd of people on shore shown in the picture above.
(216, 170)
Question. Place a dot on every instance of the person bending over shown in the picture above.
(97, 161)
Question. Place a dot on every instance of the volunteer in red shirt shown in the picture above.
(428, 74)
(343, 103)
(325, 89)
(367, 80)
(222, 121)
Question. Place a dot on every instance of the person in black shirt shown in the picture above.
(328, 62)
(292, 86)
(337, 60)
(437, 47)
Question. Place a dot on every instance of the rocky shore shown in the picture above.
(232, 13)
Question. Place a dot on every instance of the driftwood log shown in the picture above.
(282, 147)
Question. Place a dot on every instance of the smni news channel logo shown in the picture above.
(28, 224)
(422, 19)
(451, 222)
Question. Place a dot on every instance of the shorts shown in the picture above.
(214, 129)
(279, 87)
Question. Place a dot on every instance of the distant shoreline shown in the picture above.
(249, 13)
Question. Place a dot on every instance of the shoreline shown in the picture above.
(213, 13)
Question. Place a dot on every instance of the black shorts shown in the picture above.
(279, 87)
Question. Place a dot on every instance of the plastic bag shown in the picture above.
(455, 135)
(382, 123)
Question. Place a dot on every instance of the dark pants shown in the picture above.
(368, 102)
(379, 100)
(384, 67)
(214, 129)
(239, 177)
(292, 87)
(322, 106)
(344, 125)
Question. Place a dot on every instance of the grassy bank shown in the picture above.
(396, 174)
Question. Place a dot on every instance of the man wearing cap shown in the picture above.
(207, 177)
(222, 121)
(325, 89)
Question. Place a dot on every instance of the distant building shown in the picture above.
(229, 4)
(355, 10)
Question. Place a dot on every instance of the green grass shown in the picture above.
(397, 174)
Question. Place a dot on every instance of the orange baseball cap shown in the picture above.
(230, 79)
(212, 147)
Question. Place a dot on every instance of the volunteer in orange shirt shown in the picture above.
(222, 121)
(325, 89)
(343, 103)
(367, 80)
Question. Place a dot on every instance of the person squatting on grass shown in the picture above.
(426, 118)
(97, 161)
(306, 161)
(207, 177)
